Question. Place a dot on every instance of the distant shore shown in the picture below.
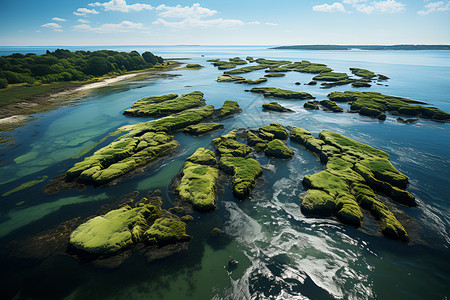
(363, 47)
(15, 114)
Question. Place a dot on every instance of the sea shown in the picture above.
(281, 253)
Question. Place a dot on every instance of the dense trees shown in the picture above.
(64, 65)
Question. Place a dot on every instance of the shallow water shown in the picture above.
(281, 253)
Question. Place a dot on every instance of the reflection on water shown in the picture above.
(280, 254)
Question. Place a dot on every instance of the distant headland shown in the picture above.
(364, 47)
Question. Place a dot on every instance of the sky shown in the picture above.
(223, 22)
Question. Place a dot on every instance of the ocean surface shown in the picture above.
(281, 253)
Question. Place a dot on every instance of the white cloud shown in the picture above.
(124, 26)
(435, 7)
(83, 21)
(353, 2)
(196, 22)
(254, 23)
(195, 11)
(84, 11)
(52, 26)
(388, 6)
(335, 7)
(272, 24)
(58, 19)
(122, 6)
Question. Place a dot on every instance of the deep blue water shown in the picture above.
(282, 254)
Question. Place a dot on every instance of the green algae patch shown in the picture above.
(281, 93)
(278, 149)
(112, 232)
(362, 73)
(202, 128)
(331, 76)
(229, 108)
(376, 105)
(25, 185)
(275, 106)
(245, 171)
(153, 106)
(125, 227)
(353, 172)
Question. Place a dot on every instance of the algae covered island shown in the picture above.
(224, 150)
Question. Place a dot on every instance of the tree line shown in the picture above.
(64, 65)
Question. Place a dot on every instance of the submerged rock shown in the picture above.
(353, 171)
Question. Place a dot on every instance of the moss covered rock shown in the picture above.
(353, 171)
(362, 73)
(331, 105)
(167, 231)
(274, 75)
(165, 105)
(203, 156)
(202, 128)
(278, 149)
(122, 228)
(275, 106)
(245, 171)
(248, 81)
(229, 108)
(229, 78)
(121, 157)
(331, 76)
(376, 105)
(310, 105)
(275, 129)
(280, 93)
(198, 186)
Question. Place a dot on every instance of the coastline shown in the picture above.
(16, 114)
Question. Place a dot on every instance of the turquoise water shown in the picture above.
(281, 253)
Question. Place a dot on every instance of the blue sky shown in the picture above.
(223, 22)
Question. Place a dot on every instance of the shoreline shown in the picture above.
(16, 114)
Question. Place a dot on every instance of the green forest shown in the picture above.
(64, 65)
